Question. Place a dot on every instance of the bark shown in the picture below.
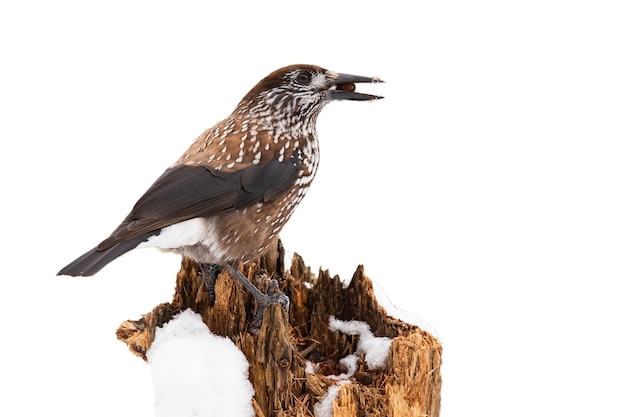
(409, 385)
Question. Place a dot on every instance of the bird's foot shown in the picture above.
(263, 300)
(209, 274)
(272, 296)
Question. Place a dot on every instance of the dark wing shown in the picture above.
(186, 192)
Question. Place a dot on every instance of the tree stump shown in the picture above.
(409, 384)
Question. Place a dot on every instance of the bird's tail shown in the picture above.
(94, 260)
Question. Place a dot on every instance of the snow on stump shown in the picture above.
(337, 354)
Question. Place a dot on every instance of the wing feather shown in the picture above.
(186, 192)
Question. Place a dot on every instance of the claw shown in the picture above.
(264, 300)
(272, 296)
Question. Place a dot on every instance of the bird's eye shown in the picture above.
(303, 77)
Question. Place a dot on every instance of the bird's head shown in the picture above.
(299, 91)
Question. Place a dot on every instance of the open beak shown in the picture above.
(343, 87)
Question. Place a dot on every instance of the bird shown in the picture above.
(226, 199)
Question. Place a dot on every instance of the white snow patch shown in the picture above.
(324, 407)
(309, 368)
(374, 348)
(352, 364)
(196, 373)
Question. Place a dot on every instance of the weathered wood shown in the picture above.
(409, 385)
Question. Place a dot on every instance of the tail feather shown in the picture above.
(94, 260)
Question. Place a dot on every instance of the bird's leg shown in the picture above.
(263, 300)
(209, 274)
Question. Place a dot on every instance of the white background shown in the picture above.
(485, 193)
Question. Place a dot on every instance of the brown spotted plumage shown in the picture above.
(229, 195)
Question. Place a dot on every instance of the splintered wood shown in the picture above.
(409, 385)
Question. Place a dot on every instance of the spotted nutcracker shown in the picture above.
(227, 198)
